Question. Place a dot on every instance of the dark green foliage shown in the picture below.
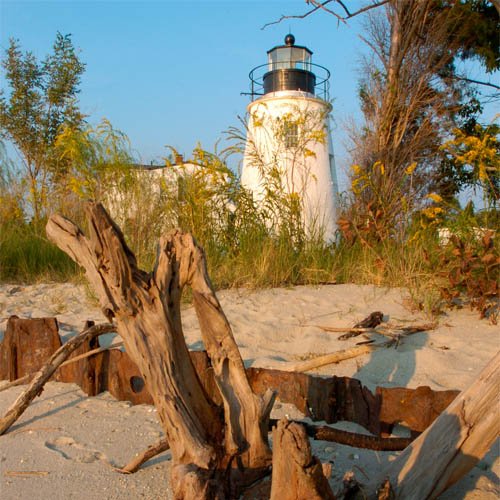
(479, 32)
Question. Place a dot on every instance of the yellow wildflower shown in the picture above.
(411, 168)
(435, 197)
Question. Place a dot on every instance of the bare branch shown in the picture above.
(362, 10)
(323, 6)
(296, 16)
(477, 82)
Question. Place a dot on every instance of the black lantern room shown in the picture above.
(289, 67)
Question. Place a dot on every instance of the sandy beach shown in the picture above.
(66, 445)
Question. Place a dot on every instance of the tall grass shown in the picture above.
(265, 246)
(27, 256)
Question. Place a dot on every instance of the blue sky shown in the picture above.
(171, 72)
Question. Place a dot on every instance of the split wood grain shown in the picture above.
(452, 445)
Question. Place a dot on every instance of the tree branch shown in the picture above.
(322, 6)
(477, 82)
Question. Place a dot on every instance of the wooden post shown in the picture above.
(297, 474)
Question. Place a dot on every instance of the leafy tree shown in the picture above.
(412, 95)
(478, 34)
(40, 97)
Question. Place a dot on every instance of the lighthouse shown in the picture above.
(288, 151)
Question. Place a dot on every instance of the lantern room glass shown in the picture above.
(289, 57)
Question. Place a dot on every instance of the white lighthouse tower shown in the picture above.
(288, 147)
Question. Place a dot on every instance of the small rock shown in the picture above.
(329, 449)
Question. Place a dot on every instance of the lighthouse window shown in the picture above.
(289, 57)
(291, 133)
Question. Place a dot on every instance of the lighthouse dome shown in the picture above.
(289, 68)
(289, 39)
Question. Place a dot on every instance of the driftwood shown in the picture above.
(387, 330)
(153, 450)
(218, 441)
(42, 376)
(395, 334)
(326, 433)
(321, 432)
(452, 445)
(297, 473)
(328, 359)
(19, 381)
(371, 321)
(146, 308)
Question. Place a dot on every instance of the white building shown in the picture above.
(288, 149)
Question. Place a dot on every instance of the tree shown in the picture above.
(41, 97)
(412, 95)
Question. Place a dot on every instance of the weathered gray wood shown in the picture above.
(297, 474)
(328, 359)
(146, 309)
(452, 445)
(246, 414)
(44, 374)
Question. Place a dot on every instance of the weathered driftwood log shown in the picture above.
(146, 308)
(19, 381)
(42, 376)
(153, 450)
(206, 445)
(297, 474)
(318, 432)
(326, 433)
(452, 445)
(328, 359)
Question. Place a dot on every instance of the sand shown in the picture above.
(66, 445)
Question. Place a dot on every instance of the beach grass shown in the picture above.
(26, 256)
(247, 248)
